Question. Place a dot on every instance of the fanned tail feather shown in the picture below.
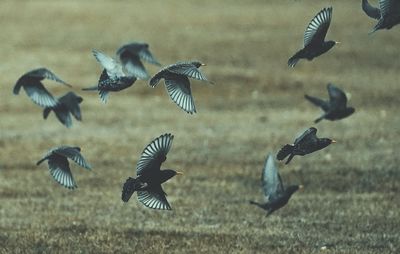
(284, 152)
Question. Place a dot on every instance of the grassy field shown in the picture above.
(350, 203)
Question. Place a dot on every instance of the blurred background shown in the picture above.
(349, 204)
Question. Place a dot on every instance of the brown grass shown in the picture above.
(350, 203)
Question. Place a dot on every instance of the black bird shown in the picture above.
(305, 144)
(30, 81)
(68, 104)
(150, 176)
(176, 79)
(131, 55)
(314, 38)
(59, 167)
(388, 13)
(336, 108)
(113, 78)
(275, 193)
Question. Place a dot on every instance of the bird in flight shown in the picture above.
(314, 38)
(274, 191)
(305, 144)
(68, 104)
(149, 178)
(334, 109)
(176, 79)
(388, 13)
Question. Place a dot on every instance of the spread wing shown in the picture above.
(154, 198)
(318, 102)
(60, 171)
(308, 134)
(134, 67)
(318, 27)
(43, 73)
(371, 11)
(74, 154)
(146, 55)
(154, 154)
(113, 68)
(337, 97)
(389, 7)
(71, 101)
(178, 88)
(188, 70)
(39, 94)
(271, 181)
(63, 116)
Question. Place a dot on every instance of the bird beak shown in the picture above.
(337, 42)
(333, 141)
(179, 173)
(203, 64)
(301, 187)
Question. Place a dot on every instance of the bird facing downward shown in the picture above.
(113, 78)
(150, 176)
(57, 159)
(305, 144)
(336, 108)
(275, 193)
(314, 38)
(176, 79)
(388, 13)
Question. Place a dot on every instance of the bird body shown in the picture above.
(31, 82)
(314, 38)
(57, 159)
(388, 13)
(149, 175)
(176, 79)
(68, 104)
(275, 193)
(336, 108)
(305, 144)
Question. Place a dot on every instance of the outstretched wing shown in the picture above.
(43, 73)
(134, 67)
(308, 134)
(187, 69)
(39, 94)
(154, 198)
(271, 181)
(60, 171)
(146, 55)
(71, 101)
(154, 154)
(74, 154)
(337, 98)
(318, 102)
(178, 88)
(371, 11)
(114, 69)
(389, 7)
(316, 31)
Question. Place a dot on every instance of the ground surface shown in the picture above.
(350, 202)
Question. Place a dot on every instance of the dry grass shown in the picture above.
(350, 202)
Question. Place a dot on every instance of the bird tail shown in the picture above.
(92, 88)
(295, 58)
(255, 203)
(377, 27)
(130, 186)
(46, 112)
(284, 152)
(154, 81)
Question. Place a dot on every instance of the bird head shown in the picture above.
(330, 44)
(197, 64)
(324, 142)
(169, 173)
(293, 188)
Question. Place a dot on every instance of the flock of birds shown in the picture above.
(121, 72)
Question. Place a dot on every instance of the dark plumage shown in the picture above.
(336, 108)
(150, 176)
(314, 38)
(388, 13)
(176, 79)
(31, 82)
(305, 144)
(113, 78)
(68, 104)
(59, 167)
(275, 193)
(131, 55)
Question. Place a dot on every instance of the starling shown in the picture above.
(336, 108)
(305, 144)
(275, 194)
(176, 79)
(68, 104)
(314, 38)
(113, 78)
(30, 81)
(130, 56)
(388, 13)
(59, 166)
(150, 176)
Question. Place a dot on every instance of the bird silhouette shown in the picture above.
(131, 55)
(388, 13)
(57, 159)
(336, 108)
(176, 79)
(113, 78)
(314, 38)
(31, 82)
(305, 144)
(275, 193)
(68, 104)
(150, 176)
